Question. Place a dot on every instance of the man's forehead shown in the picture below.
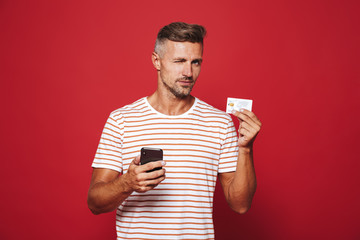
(181, 44)
(183, 47)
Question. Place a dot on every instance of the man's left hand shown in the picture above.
(248, 129)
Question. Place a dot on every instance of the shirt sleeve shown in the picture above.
(229, 149)
(109, 151)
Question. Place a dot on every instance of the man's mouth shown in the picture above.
(186, 82)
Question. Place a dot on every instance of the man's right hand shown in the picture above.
(108, 189)
(139, 179)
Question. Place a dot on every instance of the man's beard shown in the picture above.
(177, 91)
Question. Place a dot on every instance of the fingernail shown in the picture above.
(163, 163)
(241, 109)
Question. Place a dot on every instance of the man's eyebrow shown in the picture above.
(198, 59)
(182, 59)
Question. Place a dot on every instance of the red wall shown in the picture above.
(65, 65)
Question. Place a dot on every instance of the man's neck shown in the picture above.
(170, 105)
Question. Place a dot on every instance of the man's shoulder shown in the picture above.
(134, 107)
(206, 108)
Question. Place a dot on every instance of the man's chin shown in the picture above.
(182, 95)
(181, 92)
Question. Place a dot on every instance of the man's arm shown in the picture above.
(108, 190)
(240, 186)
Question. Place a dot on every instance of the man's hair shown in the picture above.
(179, 32)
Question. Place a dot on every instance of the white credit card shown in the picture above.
(237, 103)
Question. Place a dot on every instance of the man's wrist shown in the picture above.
(245, 150)
(124, 183)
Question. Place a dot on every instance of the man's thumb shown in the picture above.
(136, 160)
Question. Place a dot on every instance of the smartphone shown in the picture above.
(150, 155)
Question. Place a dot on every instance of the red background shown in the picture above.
(65, 65)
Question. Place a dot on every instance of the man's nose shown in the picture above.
(187, 71)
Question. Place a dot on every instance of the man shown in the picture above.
(199, 143)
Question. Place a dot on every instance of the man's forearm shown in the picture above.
(108, 190)
(107, 196)
(243, 185)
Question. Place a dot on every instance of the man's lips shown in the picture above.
(186, 82)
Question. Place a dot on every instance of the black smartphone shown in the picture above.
(150, 155)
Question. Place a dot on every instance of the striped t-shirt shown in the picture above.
(197, 145)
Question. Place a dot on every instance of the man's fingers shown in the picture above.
(252, 116)
(136, 160)
(243, 132)
(154, 182)
(244, 117)
(149, 184)
(248, 117)
(155, 174)
(151, 165)
(142, 179)
(251, 128)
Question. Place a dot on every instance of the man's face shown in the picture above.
(180, 64)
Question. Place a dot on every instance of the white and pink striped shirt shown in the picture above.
(197, 145)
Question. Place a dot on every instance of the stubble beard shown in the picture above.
(177, 91)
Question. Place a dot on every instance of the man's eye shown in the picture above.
(197, 62)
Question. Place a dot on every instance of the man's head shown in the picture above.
(179, 32)
(178, 57)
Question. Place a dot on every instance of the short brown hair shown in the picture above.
(180, 32)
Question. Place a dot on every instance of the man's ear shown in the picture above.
(156, 60)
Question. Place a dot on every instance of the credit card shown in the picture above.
(238, 103)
